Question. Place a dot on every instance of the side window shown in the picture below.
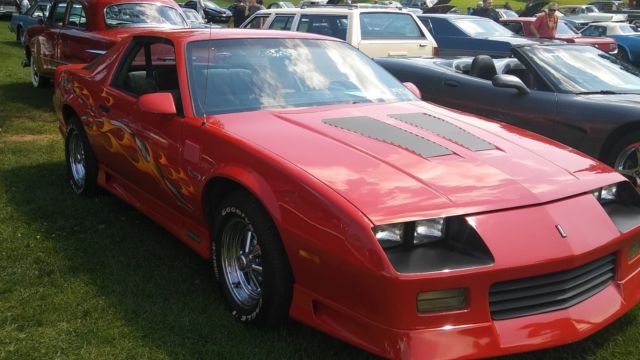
(427, 24)
(56, 15)
(191, 5)
(149, 67)
(389, 26)
(329, 25)
(77, 18)
(594, 31)
(257, 22)
(281, 23)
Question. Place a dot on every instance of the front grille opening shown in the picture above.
(550, 292)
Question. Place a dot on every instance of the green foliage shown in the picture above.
(95, 279)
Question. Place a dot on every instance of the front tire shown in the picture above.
(624, 157)
(250, 262)
(37, 80)
(82, 166)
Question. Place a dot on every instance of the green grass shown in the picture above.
(95, 279)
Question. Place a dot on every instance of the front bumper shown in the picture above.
(525, 244)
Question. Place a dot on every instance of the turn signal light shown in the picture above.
(442, 300)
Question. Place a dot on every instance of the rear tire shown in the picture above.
(37, 80)
(624, 157)
(82, 166)
(250, 262)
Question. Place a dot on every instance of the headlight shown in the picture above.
(437, 244)
(389, 235)
(621, 201)
(606, 194)
(427, 231)
(417, 233)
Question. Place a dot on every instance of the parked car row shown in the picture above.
(322, 188)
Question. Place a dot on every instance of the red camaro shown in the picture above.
(324, 190)
(564, 32)
(77, 31)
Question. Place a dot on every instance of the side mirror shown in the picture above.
(157, 103)
(413, 88)
(509, 82)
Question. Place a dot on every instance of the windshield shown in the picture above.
(564, 29)
(580, 69)
(627, 29)
(481, 28)
(142, 14)
(236, 75)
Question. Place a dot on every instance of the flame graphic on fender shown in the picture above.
(118, 138)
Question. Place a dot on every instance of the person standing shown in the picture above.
(546, 23)
(240, 13)
(24, 6)
(487, 11)
(253, 7)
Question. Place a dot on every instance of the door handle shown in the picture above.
(451, 83)
(104, 107)
(423, 45)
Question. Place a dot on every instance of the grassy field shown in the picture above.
(95, 279)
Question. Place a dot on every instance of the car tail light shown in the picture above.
(436, 51)
(613, 47)
(441, 300)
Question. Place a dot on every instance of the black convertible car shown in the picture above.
(575, 94)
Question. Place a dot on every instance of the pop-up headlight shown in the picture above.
(435, 244)
(621, 201)
(427, 231)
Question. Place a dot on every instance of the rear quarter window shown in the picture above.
(389, 26)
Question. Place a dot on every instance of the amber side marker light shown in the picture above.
(634, 250)
(441, 300)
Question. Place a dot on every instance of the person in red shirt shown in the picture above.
(546, 23)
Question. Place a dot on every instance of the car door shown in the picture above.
(147, 145)
(47, 45)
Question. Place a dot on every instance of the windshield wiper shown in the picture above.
(603, 92)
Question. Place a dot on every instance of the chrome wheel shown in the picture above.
(77, 163)
(241, 260)
(628, 162)
(36, 79)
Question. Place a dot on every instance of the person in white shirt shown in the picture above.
(24, 6)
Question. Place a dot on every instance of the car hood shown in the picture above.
(487, 165)
(586, 39)
(517, 40)
(632, 100)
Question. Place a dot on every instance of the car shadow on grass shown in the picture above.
(11, 43)
(24, 93)
(160, 288)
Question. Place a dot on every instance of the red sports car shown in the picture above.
(564, 32)
(324, 190)
(78, 31)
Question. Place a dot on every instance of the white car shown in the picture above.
(378, 32)
(589, 13)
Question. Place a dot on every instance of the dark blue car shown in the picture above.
(34, 16)
(461, 35)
